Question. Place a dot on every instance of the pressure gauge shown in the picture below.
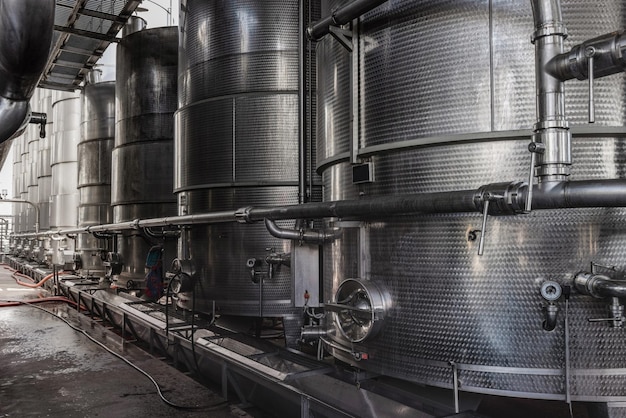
(551, 290)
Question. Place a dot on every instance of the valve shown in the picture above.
(590, 53)
(534, 148)
(615, 314)
(253, 264)
(487, 197)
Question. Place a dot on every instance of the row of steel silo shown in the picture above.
(68, 172)
(237, 140)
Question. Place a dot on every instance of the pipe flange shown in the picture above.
(548, 30)
(242, 215)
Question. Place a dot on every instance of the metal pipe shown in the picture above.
(599, 285)
(301, 235)
(552, 128)
(26, 28)
(341, 16)
(28, 203)
(609, 57)
(302, 83)
(551, 316)
(511, 199)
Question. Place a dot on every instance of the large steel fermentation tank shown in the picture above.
(94, 170)
(142, 164)
(430, 70)
(236, 146)
(44, 170)
(66, 118)
(17, 145)
(32, 185)
(26, 211)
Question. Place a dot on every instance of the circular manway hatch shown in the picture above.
(359, 309)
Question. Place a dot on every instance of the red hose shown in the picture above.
(40, 300)
(33, 285)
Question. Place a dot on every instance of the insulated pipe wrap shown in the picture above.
(26, 34)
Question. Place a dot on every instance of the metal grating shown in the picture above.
(83, 29)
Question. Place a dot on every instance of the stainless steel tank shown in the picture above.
(32, 185)
(17, 182)
(25, 219)
(44, 170)
(237, 145)
(66, 115)
(94, 170)
(429, 71)
(141, 183)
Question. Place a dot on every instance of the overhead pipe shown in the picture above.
(341, 16)
(26, 28)
(504, 198)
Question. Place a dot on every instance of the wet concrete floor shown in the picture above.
(47, 369)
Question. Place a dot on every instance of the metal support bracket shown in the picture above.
(350, 40)
(343, 36)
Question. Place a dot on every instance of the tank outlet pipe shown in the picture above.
(341, 16)
(310, 236)
(599, 285)
(26, 28)
(551, 129)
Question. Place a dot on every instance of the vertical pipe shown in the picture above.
(302, 81)
(552, 128)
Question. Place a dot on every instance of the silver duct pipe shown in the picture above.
(341, 16)
(26, 34)
(504, 198)
(554, 157)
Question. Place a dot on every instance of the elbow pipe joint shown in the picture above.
(301, 235)
(552, 312)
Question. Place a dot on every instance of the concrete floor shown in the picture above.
(48, 369)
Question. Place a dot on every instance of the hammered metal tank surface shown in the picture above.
(142, 163)
(66, 118)
(430, 70)
(237, 145)
(94, 169)
(44, 170)
(18, 181)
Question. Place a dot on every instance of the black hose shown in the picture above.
(215, 406)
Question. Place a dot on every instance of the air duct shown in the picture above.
(26, 33)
